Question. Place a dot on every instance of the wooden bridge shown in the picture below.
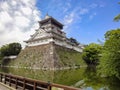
(21, 83)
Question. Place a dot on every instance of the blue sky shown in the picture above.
(85, 20)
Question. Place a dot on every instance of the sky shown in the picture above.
(85, 20)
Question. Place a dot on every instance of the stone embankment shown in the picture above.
(49, 56)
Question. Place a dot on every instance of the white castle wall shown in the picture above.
(65, 44)
(40, 42)
(57, 42)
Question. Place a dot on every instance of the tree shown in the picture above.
(10, 49)
(4, 50)
(110, 60)
(117, 18)
(14, 48)
(91, 54)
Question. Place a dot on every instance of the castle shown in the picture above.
(50, 31)
(49, 48)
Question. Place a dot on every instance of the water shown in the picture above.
(85, 78)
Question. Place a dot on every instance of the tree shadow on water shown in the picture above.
(96, 82)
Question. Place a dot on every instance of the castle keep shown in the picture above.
(50, 31)
(49, 48)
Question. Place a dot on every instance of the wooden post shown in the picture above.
(34, 87)
(1, 77)
(49, 86)
(4, 78)
(24, 84)
(16, 83)
(9, 80)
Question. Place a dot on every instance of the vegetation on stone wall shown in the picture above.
(70, 57)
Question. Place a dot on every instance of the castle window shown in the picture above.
(52, 27)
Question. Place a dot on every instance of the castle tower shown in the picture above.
(49, 48)
(50, 31)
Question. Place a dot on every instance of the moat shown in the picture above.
(85, 78)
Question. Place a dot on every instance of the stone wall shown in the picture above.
(49, 56)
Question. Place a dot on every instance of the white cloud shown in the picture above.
(21, 21)
(83, 11)
(5, 17)
(13, 2)
(18, 19)
(69, 18)
(66, 7)
(93, 5)
(4, 6)
(26, 10)
(92, 15)
(73, 17)
(97, 5)
(17, 13)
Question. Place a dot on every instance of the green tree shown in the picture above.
(117, 18)
(4, 50)
(14, 48)
(91, 54)
(10, 49)
(110, 60)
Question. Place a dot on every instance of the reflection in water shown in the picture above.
(85, 78)
(94, 82)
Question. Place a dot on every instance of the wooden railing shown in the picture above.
(22, 83)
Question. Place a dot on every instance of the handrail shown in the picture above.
(30, 84)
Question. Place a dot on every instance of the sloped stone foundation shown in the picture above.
(49, 56)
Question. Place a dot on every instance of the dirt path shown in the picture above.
(5, 87)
